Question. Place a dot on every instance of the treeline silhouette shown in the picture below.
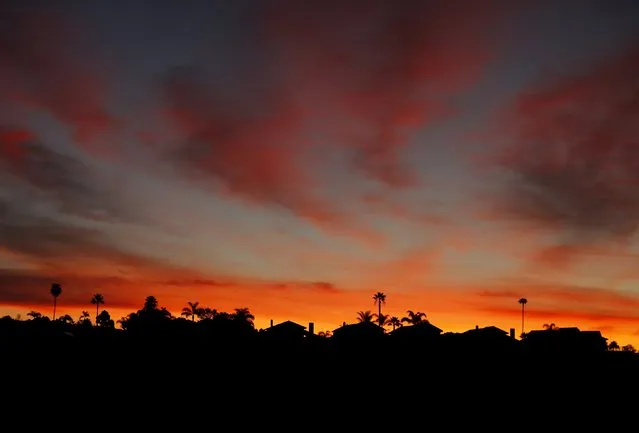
(158, 351)
(371, 332)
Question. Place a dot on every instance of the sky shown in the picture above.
(297, 157)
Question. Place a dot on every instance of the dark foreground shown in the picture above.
(306, 388)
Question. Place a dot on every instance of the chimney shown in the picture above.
(477, 327)
(512, 333)
(311, 328)
(271, 323)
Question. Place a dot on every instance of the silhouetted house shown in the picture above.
(421, 330)
(358, 331)
(566, 341)
(486, 332)
(487, 339)
(286, 330)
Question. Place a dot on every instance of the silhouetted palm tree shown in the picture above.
(84, 318)
(395, 322)
(56, 290)
(550, 326)
(365, 316)
(413, 317)
(379, 298)
(97, 300)
(206, 313)
(243, 315)
(523, 302)
(191, 311)
(34, 314)
(382, 320)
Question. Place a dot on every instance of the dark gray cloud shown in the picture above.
(46, 63)
(44, 173)
(574, 154)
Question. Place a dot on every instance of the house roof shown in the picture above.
(287, 325)
(493, 330)
(421, 328)
(358, 327)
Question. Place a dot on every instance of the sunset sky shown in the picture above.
(295, 157)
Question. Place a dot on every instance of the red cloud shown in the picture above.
(359, 77)
(253, 154)
(43, 66)
(372, 72)
(12, 143)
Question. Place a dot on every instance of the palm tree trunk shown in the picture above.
(97, 309)
(193, 317)
(379, 313)
(54, 305)
(522, 319)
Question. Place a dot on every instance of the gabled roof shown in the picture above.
(488, 330)
(362, 328)
(288, 325)
(423, 328)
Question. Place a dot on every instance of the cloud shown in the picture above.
(30, 288)
(37, 170)
(560, 295)
(45, 65)
(587, 307)
(613, 318)
(573, 153)
(373, 72)
(252, 153)
(354, 79)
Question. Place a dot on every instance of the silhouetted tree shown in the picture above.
(150, 304)
(365, 316)
(379, 298)
(413, 317)
(34, 314)
(523, 302)
(206, 313)
(550, 326)
(325, 334)
(395, 322)
(56, 290)
(150, 319)
(629, 348)
(124, 321)
(614, 346)
(223, 316)
(191, 311)
(67, 319)
(84, 319)
(382, 320)
(97, 300)
(243, 315)
(104, 320)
